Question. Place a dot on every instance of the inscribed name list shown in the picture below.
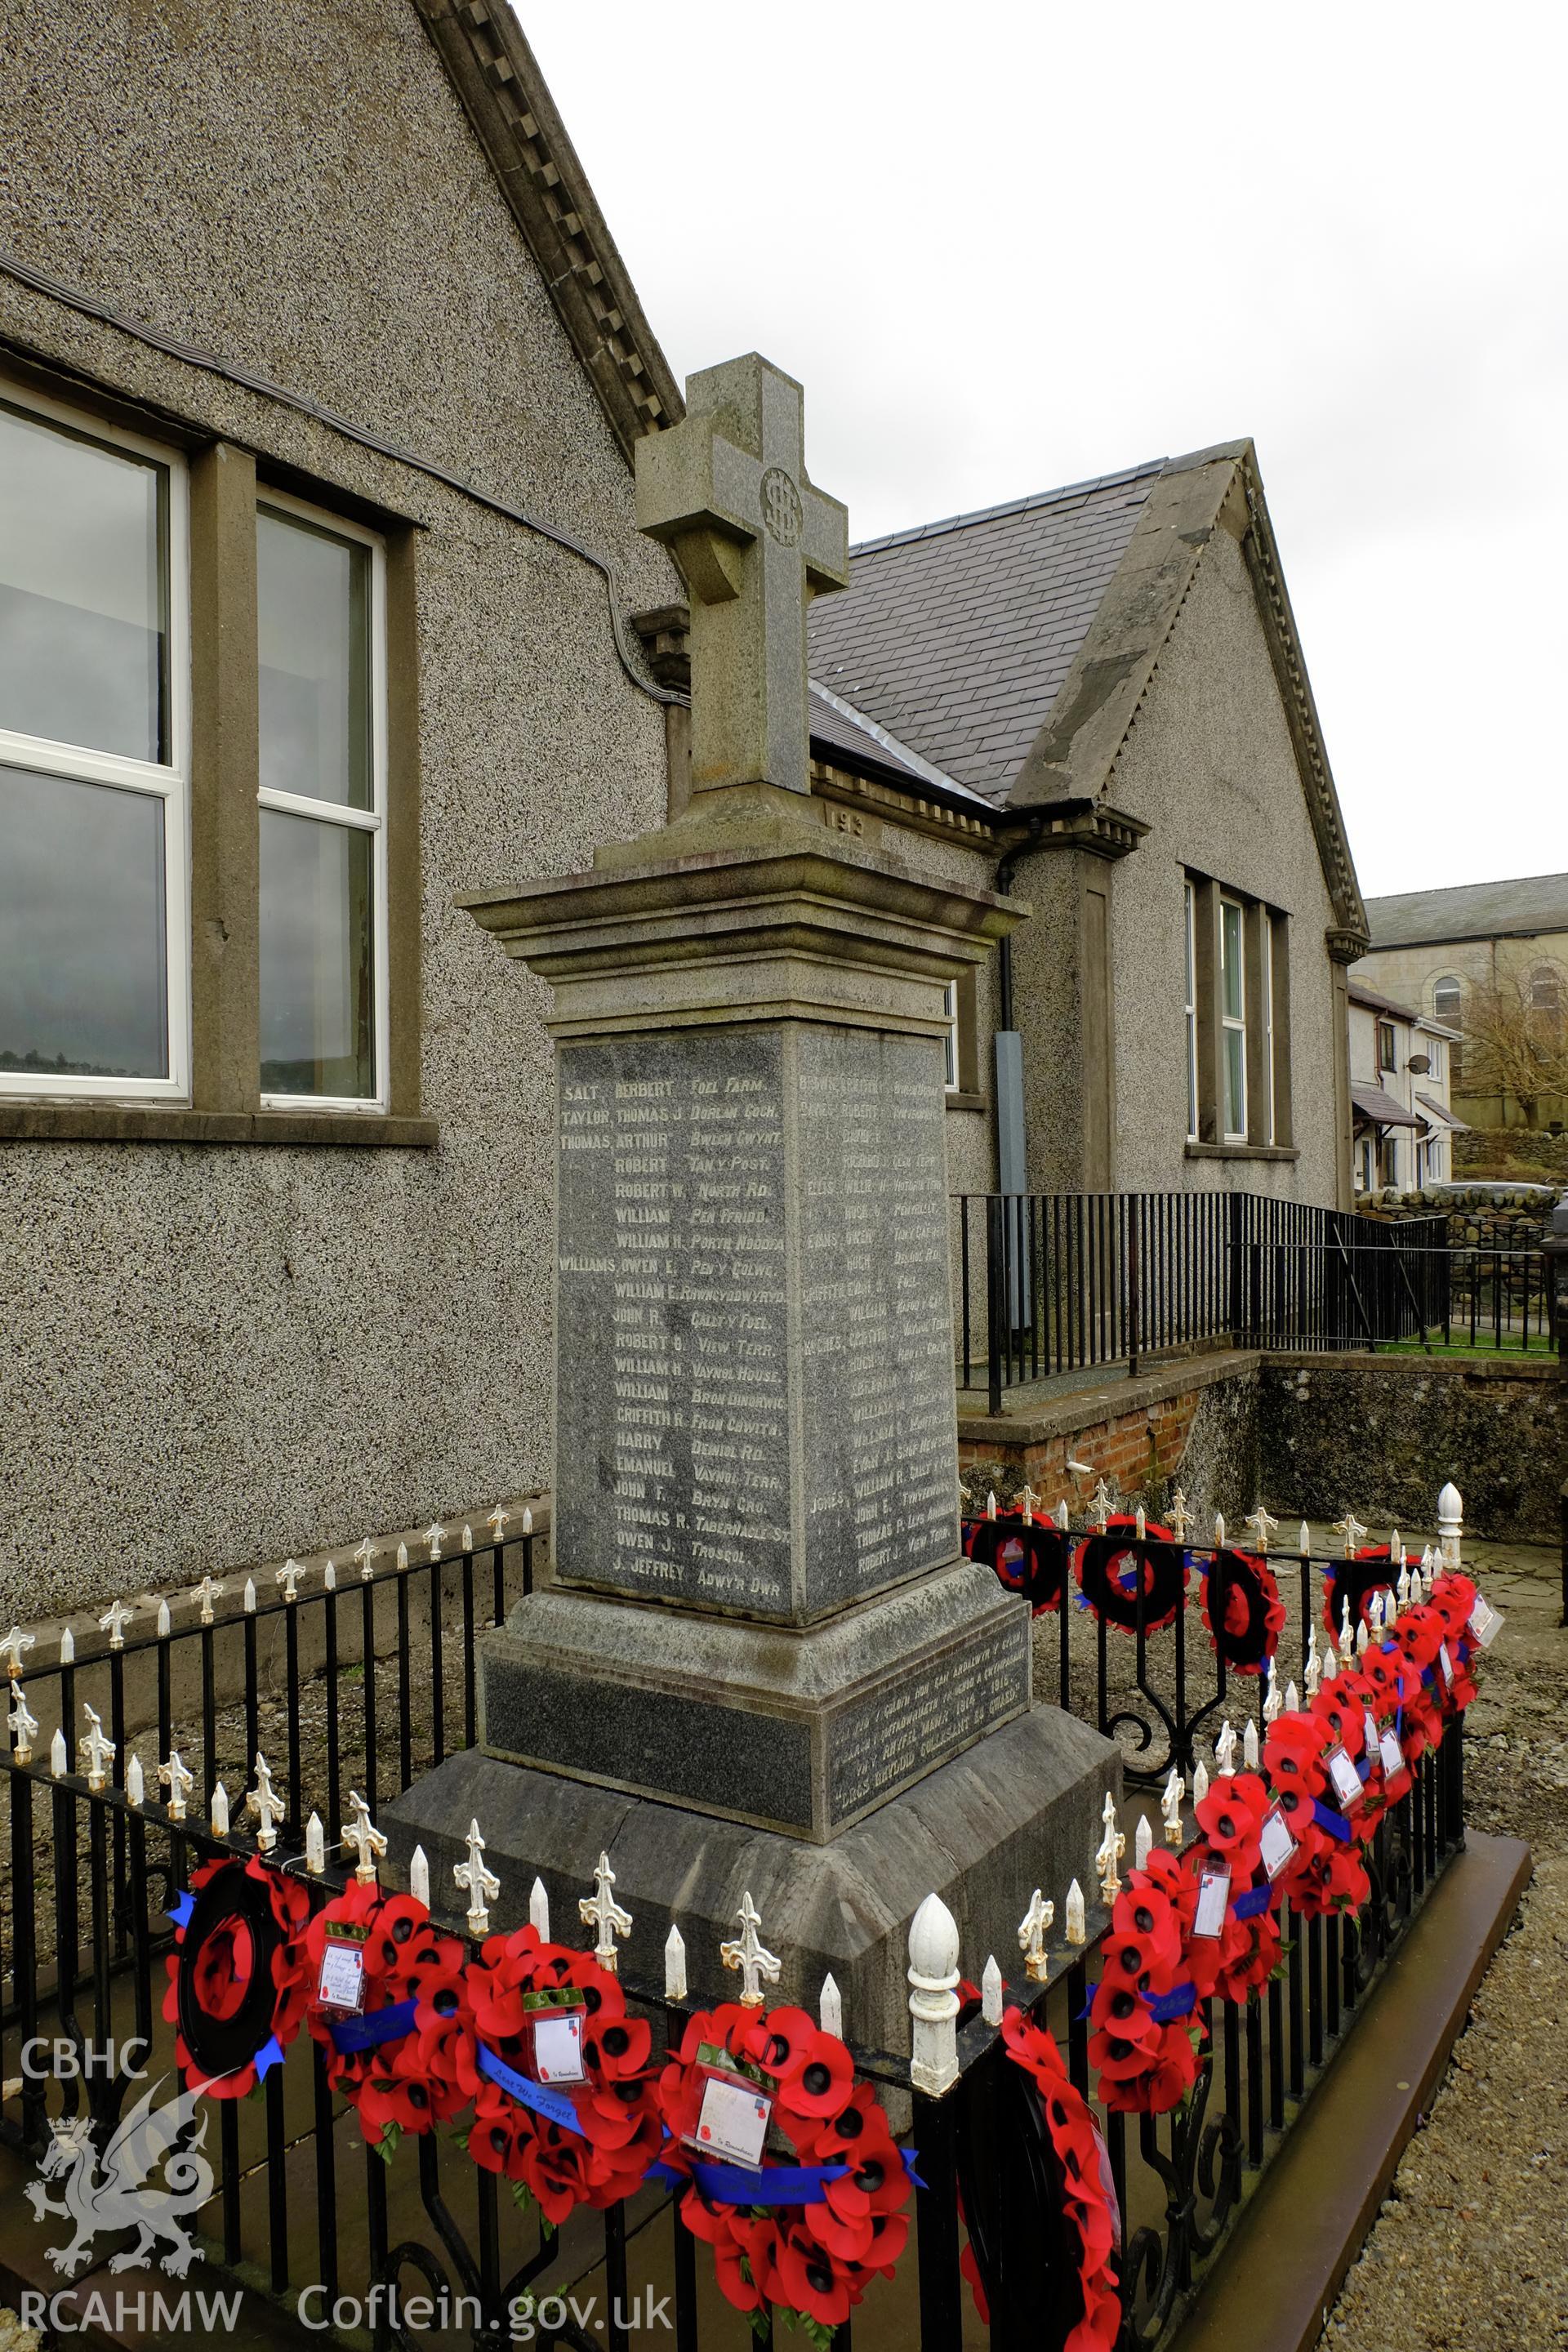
(705, 1309)
(673, 1477)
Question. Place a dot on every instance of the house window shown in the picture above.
(94, 980)
(1233, 1018)
(1364, 1176)
(1435, 1056)
(321, 694)
(1447, 1002)
(1385, 1054)
(1388, 1162)
(1192, 1012)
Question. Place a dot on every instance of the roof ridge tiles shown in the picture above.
(1025, 505)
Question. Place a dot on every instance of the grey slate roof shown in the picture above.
(1360, 994)
(1472, 910)
(957, 636)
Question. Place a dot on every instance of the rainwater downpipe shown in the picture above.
(1012, 1142)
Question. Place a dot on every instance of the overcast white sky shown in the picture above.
(1006, 247)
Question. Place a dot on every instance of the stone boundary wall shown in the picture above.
(1311, 1435)
(1480, 1216)
(1379, 1434)
(1140, 1434)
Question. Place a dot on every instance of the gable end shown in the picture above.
(503, 93)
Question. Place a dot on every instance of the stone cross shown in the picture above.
(727, 492)
(114, 1622)
(1260, 1527)
(178, 1782)
(1032, 1928)
(100, 1751)
(1170, 1808)
(206, 1593)
(480, 1885)
(366, 1840)
(1112, 1848)
(601, 1912)
(13, 1648)
(266, 1805)
(749, 1954)
(289, 1576)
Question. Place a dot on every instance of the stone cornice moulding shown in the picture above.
(504, 95)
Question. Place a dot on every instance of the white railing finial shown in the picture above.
(1450, 1524)
(933, 1997)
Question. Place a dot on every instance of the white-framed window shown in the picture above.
(94, 759)
(950, 1040)
(1233, 1018)
(1387, 1058)
(321, 650)
(1191, 936)
(1265, 1016)
(1435, 1056)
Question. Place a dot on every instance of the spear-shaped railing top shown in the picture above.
(1032, 1930)
(14, 1648)
(601, 1912)
(747, 1953)
(24, 1724)
(100, 1751)
(264, 1806)
(114, 1621)
(479, 1881)
(1260, 1527)
(366, 1840)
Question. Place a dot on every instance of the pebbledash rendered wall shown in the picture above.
(1210, 766)
(217, 1355)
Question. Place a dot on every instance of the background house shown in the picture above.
(1113, 671)
(1490, 959)
(1401, 1067)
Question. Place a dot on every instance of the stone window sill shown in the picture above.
(957, 1100)
(1243, 1152)
(97, 1122)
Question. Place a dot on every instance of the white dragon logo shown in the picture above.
(102, 2195)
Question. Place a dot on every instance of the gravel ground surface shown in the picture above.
(1470, 2249)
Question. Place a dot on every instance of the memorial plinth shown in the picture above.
(758, 1604)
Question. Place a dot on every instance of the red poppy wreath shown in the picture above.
(1243, 1613)
(1109, 1571)
(1087, 2190)
(802, 2233)
(238, 1981)
(591, 2140)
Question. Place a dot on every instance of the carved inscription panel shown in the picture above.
(877, 1320)
(673, 1476)
(750, 1221)
(881, 1743)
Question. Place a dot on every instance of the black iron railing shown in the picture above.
(299, 2204)
(1048, 1284)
